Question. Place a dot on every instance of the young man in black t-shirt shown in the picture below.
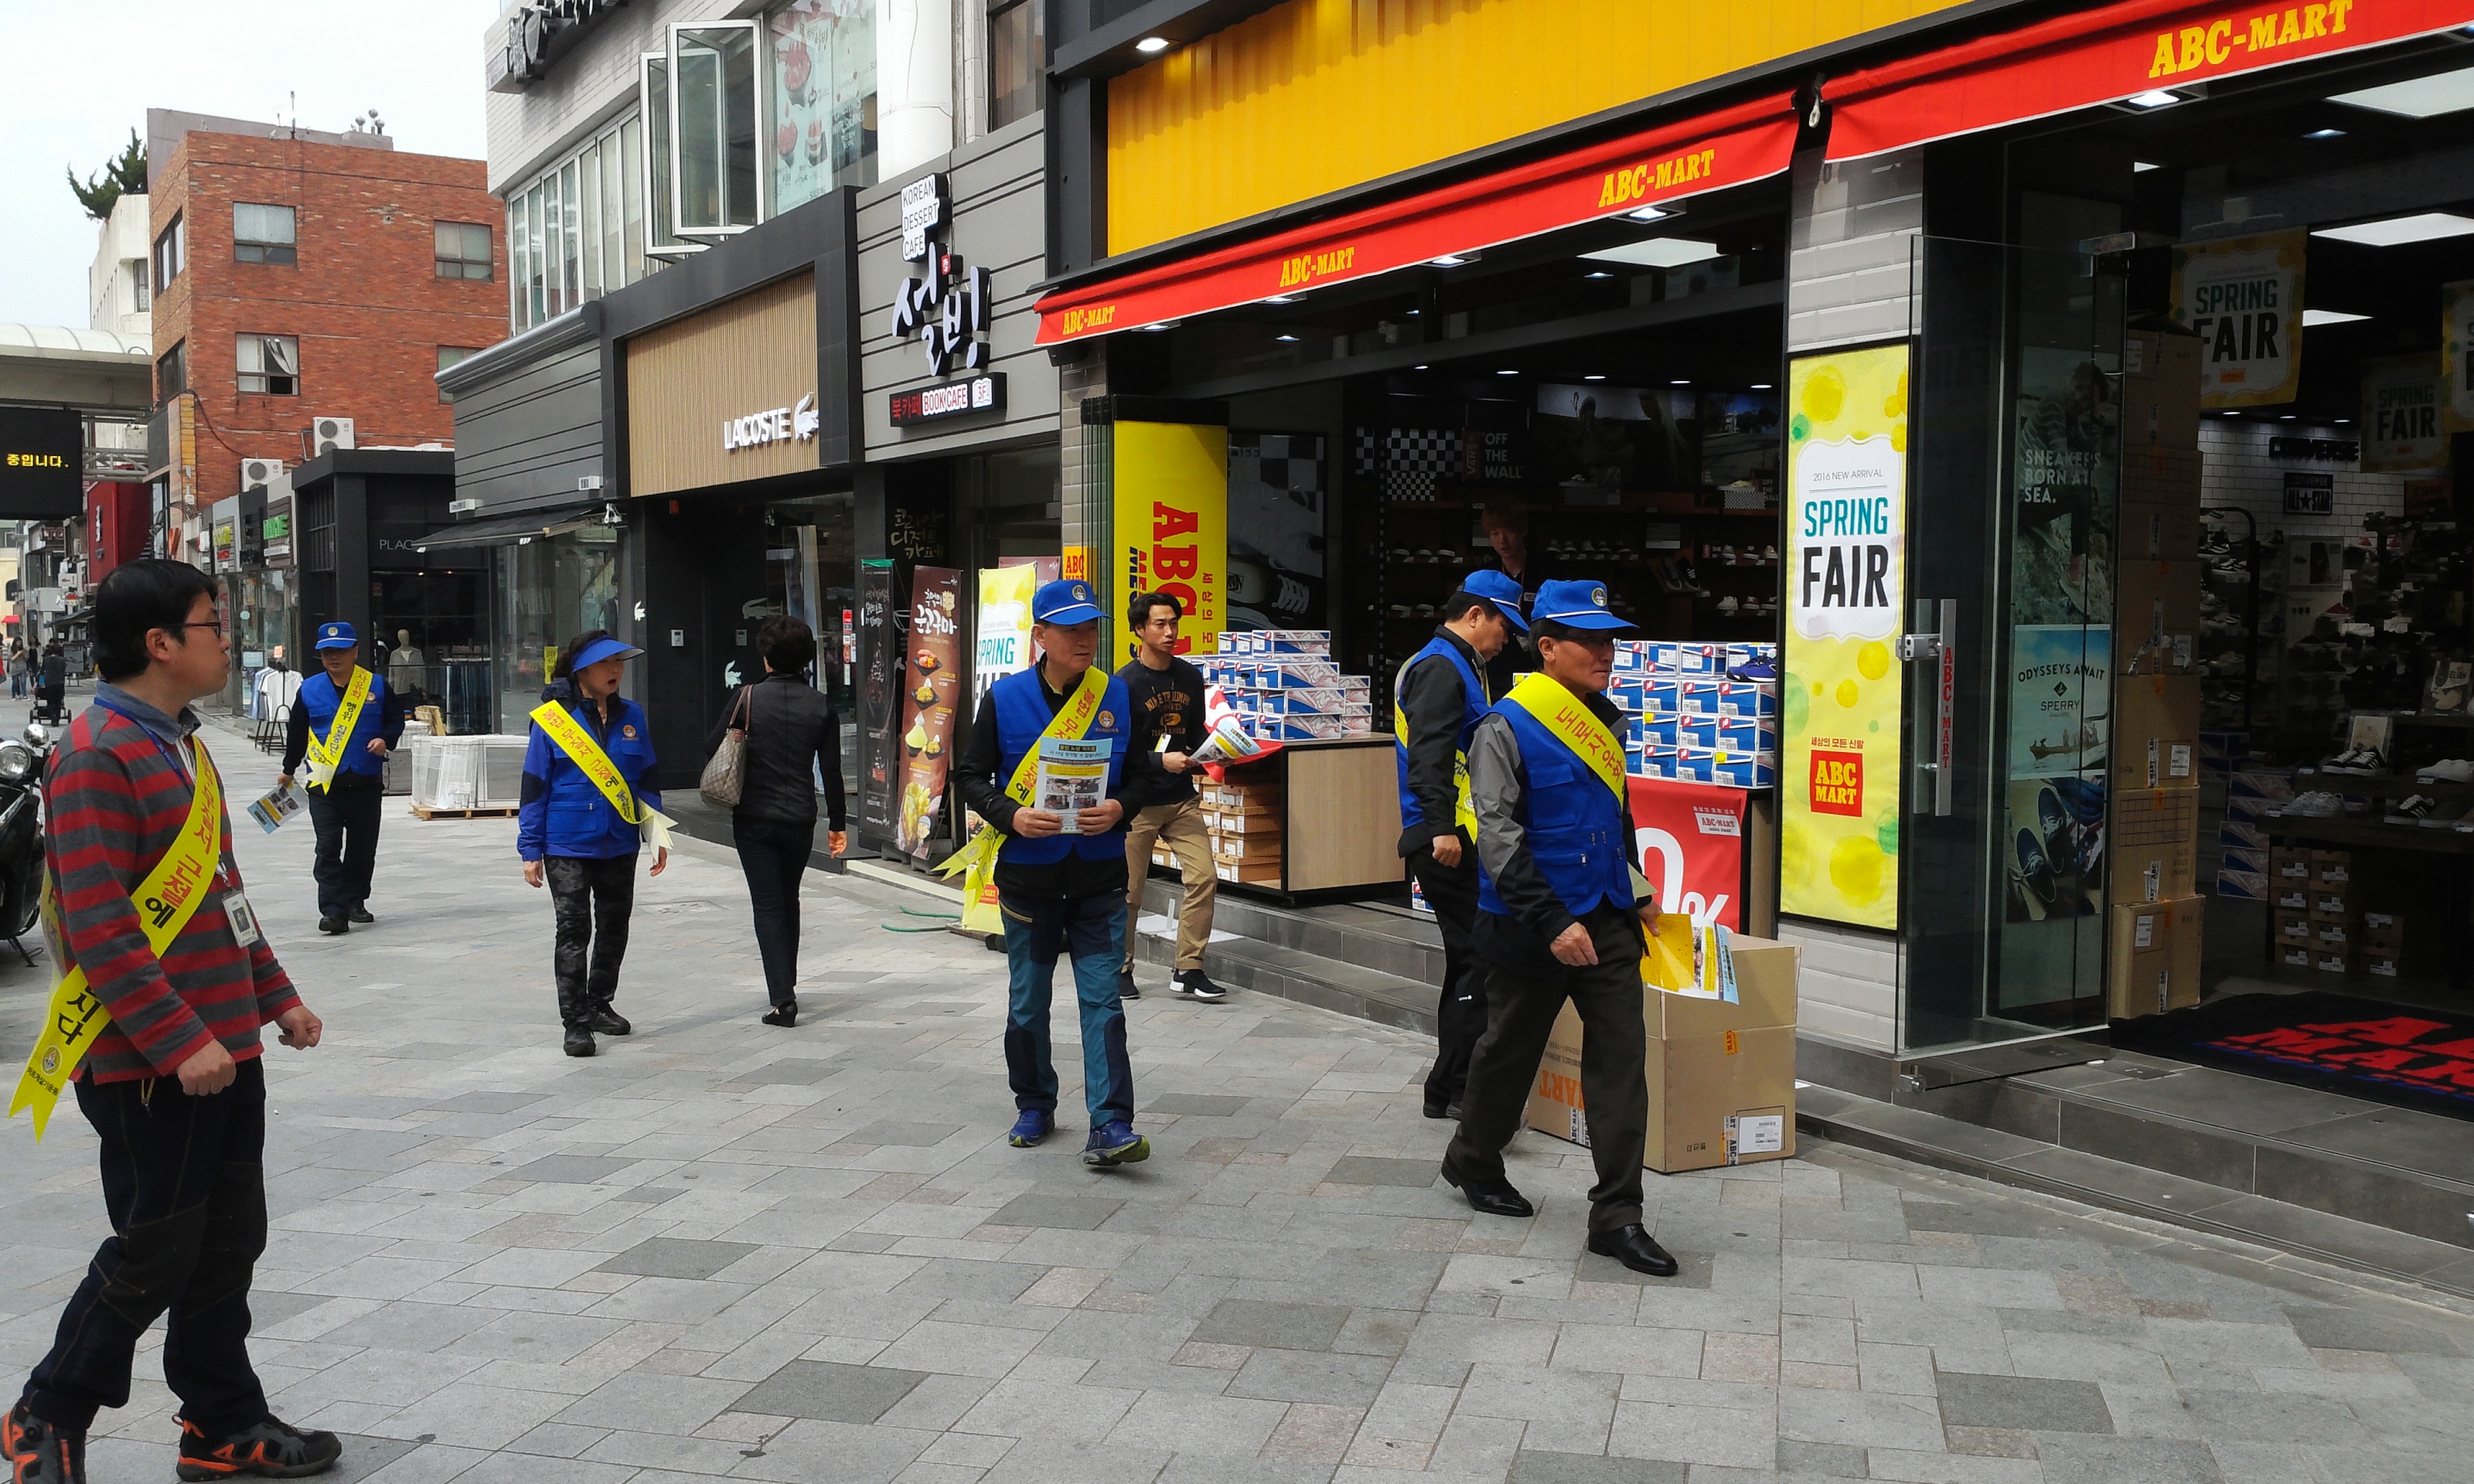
(1168, 726)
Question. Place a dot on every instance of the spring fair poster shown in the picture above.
(1839, 696)
(2244, 297)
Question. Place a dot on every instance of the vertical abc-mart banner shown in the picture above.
(1172, 529)
(1839, 695)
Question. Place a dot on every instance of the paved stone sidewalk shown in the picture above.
(723, 1249)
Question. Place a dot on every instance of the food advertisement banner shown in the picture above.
(932, 687)
(824, 71)
(1690, 841)
(1846, 570)
(1171, 530)
(2456, 352)
(2244, 297)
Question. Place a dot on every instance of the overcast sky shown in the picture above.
(79, 76)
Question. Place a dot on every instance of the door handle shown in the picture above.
(1934, 642)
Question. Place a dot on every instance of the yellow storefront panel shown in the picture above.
(1315, 96)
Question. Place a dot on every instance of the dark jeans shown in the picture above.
(1614, 1049)
(1460, 1010)
(593, 899)
(774, 854)
(1091, 930)
(345, 817)
(184, 1184)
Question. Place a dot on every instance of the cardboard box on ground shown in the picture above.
(1721, 1076)
(2152, 957)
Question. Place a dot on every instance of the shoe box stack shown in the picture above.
(1284, 687)
(2245, 797)
(1247, 824)
(2319, 918)
(2154, 938)
(1699, 712)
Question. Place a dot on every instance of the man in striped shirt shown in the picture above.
(172, 1086)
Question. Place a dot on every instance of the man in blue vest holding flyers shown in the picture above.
(1437, 702)
(344, 723)
(1060, 877)
(1561, 909)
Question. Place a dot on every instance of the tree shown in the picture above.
(101, 191)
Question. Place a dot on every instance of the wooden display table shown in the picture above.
(1316, 818)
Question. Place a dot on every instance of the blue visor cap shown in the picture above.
(336, 636)
(1065, 601)
(1498, 588)
(604, 647)
(1578, 603)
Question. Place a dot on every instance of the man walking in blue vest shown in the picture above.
(1060, 879)
(344, 723)
(1561, 905)
(1437, 701)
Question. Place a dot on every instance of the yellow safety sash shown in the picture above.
(1551, 703)
(593, 763)
(169, 895)
(1464, 812)
(978, 858)
(326, 753)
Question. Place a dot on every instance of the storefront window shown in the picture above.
(811, 573)
(429, 632)
(823, 98)
(548, 590)
(713, 108)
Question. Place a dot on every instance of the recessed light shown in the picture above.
(2398, 230)
(1286, 340)
(2343, 422)
(1452, 259)
(1595, 376)
(2312, 317)
(1153, 46)
(1507, 373)
(2429, 97)
(1422, 368)
(1657, 252)
(2325, 134)
(1678, 383)
(1598, 274)
(1760, 386)
(1164, 324)
(2233, 414)
(2156, 98)
(1651, 214)
(2285, 417)
(1283, 299)
(2140, 167)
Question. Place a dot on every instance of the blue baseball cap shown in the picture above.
(336, 636)
(1497, 587)
(1578, 603)
(604, 647)
(1064, 601)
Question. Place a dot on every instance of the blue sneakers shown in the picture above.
(1034, 1125)
(1115, 1143)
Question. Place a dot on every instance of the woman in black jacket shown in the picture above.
(793, 738)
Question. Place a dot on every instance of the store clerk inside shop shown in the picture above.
(1507, 534)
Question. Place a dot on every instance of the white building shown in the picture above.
(118, 296)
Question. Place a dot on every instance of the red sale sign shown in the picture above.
(1691, 840)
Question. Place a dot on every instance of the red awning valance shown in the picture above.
(2104, 56)
(1731, 146)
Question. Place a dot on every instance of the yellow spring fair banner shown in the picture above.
(1839, 695)
(2244, 297)
(1172, 529)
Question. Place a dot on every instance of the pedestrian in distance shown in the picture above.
(1562, 909)
(1437, 701)
(16, 669)
(170, 1077)
(587, 808)
(345, 723)
(1166, 695)
(791, 740)
(51, 683)
(1061, 879)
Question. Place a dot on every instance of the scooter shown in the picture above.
(21, 835)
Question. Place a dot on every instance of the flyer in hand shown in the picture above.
(1073, 777)
(277, 807)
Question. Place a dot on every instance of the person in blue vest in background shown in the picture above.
(344, 803)
(1060, 880)
(576, 838)
(1437, 701)
(1562, 911)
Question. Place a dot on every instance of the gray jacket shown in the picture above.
(1498, 793)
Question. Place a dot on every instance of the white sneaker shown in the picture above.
(2317, 805)
(2454, 770)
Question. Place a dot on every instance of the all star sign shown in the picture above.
(774, 425)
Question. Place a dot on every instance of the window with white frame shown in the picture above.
(263, 234)
(575, 231)
(462, 250)
(270, 364)
(171, 252)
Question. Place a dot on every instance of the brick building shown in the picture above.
(297, 280)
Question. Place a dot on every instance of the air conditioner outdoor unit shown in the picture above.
(255, 472)
(326, 435)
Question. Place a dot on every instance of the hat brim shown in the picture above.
(337, 644)
(1076, 614)
(607, 649)
(1586, 618)
(1511, 614)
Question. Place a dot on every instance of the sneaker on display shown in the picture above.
(2319, 803)
(2411, 810)
(2453, 769)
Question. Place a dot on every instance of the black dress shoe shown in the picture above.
(1499, 1201)
(1635, 1249)
(579, 1040)
(362, 915)
(785, 1013)
(609, 1021)
(333, 925)
(1450, 1109)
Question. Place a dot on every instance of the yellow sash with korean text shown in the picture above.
(326, 753)
(978, 859)
(169, 895)
(593, 763)
(1551, 703)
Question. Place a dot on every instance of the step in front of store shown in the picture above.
(1375, 963)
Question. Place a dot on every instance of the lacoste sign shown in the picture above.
(779, 424)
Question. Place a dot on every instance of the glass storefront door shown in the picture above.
(2017, 457)
(546, 591)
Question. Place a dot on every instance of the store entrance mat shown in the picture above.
(2405, 1055)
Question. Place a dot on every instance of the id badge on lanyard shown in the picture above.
(243, 922)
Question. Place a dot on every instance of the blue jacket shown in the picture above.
(1454, 768)
(313, 711)
(1578, 833)
(564, 813)
(1021, 715)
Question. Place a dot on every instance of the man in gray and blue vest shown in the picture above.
(1561, 906)
(1437, 701)
(1060, 879)
(347, 769)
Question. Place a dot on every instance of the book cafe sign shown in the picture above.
(945, 308)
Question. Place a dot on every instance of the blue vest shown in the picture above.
(1473, 711)
(1576, 824)
(322, 700)
(1021, 715)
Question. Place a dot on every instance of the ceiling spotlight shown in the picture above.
(2315, 317)
(1283, 299)
(1422, 368)
(1651, 213)
(2233, 414)
(2155, 98)
(1599, 273)
(1452, 259)
(2325, 134)
(1678, 383)
(1153, 46)
(1286, 339)
(2285, 417)
(1760, 386)
(1507, 373)
(2140, 167)
(1164, 324)
(1657, 252)
(1595, 376)
(2397, 230)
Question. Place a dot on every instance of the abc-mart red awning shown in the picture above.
(2100, 56)
(1747, 142)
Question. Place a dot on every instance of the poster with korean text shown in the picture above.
(2244, 297)
(1845, 575)
(932, 691)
